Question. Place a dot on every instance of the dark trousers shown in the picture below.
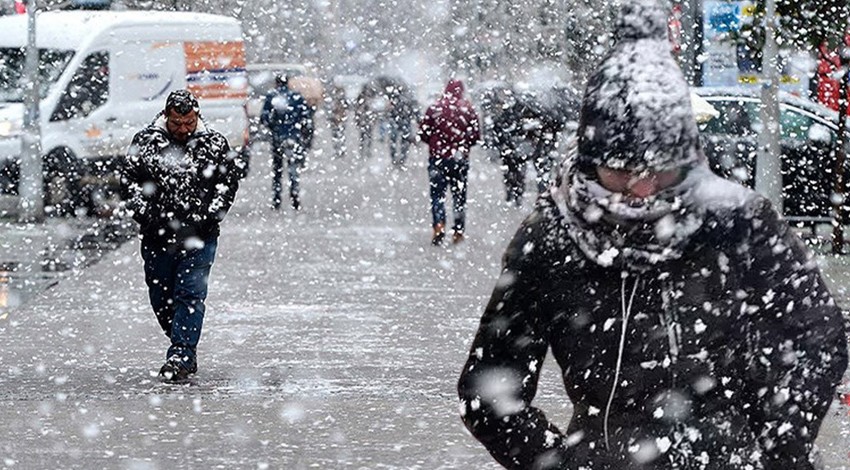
(515, 165)
(448, 173)
(177, 286)
(294, 155)
(399, 142)
(365, 142)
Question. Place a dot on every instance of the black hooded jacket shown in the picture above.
(177, 191)
(726, 358)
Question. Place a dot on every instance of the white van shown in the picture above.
(104, 76)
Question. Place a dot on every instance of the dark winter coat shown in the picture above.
(177, 191)
(728, 356)
(403, 111)
(288, 117)
(507, 126)
(450, 126)
(364, 116)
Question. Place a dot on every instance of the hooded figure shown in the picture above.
(451, 124)
(450, 128)
(692, 327)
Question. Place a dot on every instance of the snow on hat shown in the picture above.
(636, 113)
(182, 101)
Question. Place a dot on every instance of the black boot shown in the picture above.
(176, 370)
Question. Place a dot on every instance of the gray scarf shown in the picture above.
(613, 231)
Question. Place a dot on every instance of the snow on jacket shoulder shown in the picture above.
(178, 191)
(288, 115)
(725, 358)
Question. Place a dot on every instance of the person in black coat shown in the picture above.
(692, 327)
(179, 180)
(524, 131)
(290, 120)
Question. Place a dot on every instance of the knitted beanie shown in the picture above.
(636, 113)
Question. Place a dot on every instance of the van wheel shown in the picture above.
(62, 189)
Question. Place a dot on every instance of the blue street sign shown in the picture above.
(725, 17)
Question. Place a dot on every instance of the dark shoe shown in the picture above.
(296, 204)
(177, 370)
(439, 235)
(457, 237)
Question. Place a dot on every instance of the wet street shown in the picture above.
(333, 339)
(35, 257)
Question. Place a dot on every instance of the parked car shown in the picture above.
(104, 75)
(808, 136)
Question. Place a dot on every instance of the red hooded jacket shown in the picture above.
(450, 125)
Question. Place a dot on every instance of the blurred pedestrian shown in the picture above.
(544, 139)
(527, 132)
(365, 118)
(692, 326)
(450, 127)
(401, 114)
(290, 119)
(507, 135)
(337, 117)
(493, 100)
(179, 181)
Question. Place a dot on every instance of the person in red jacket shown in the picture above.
(450, 128)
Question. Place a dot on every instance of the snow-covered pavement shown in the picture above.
(333, 339)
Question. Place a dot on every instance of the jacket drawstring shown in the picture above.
(627, 311)
(670, 322)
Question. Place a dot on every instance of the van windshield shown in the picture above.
(51, 63)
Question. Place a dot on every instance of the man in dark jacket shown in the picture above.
(692, 327)
(511, 139)
(290, 120)
(527, 131)
(450, 128)
(179, 180)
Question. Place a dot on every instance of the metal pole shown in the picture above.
(768, 165)
(840, 155)
(698, 45)
(30, 185)
(692, 41)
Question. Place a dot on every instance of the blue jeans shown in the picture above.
(177, 286)
(448, 173)
(294, 154)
